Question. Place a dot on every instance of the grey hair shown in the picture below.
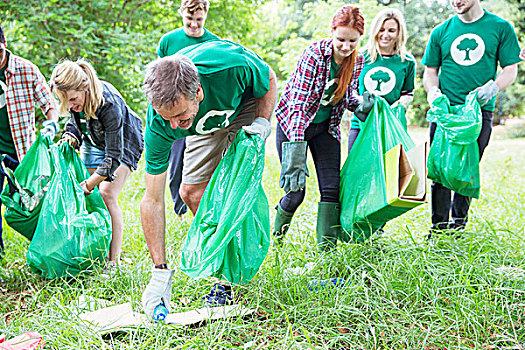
(168, 78)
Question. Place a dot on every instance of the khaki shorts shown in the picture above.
(204, 152)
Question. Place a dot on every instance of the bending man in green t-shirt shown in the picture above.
(192, 32)
(466, 50)
(205, 93)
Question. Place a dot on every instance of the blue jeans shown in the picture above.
(92, 156)
(12, 164)
(352, 136)
(175, 175)
(326, 153)
(441, 196)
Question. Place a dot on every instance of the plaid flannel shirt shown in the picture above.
(26, 87)
(302, 95)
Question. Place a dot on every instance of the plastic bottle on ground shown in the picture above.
(160, 312)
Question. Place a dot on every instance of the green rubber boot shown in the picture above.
(282, 222)
(328, 225)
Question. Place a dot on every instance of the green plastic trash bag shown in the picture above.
(453, 159)
(363, 183)
(74, 230)
(230, 234)
(399, 112)
(26, 188)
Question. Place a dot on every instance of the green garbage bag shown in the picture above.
(74, 230)
(230, 234)
(26, 188)
(453, 159)
(363, 182)
(399, 112)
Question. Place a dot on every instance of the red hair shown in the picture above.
(347, 16)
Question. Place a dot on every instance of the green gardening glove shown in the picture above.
(293, 167)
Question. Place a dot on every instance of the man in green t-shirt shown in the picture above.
(205, 93)
(192, 32)
(462, 55)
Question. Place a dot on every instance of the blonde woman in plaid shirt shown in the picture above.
(323, 86)
(22, 87)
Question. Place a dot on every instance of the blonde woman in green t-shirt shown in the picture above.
(389, 71)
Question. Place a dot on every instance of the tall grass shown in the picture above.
(403, 292)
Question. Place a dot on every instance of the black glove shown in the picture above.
(364, 108)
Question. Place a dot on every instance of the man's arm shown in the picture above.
(430, 78)
(431, 84)
(490, 89)
(506, 76)
(265, 105)
(153, 217)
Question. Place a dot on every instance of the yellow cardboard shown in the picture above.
(405, 175)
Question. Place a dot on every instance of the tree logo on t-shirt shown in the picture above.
(467, 49)
(3, 89)
(213, 120)
(380, 81)
(328, 95)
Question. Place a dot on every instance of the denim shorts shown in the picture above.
(92, 156)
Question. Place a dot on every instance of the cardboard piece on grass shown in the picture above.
(113, 318)
(406, 187)
(121, 317)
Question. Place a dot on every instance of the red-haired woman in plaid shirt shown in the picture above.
(322, 87)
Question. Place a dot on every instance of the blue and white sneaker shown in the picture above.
(328, 284)
(220, 295)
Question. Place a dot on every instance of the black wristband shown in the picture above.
(162, 266)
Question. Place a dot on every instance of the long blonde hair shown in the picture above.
(77, 76)
(372, 45)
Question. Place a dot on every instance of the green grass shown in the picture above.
(405, 293)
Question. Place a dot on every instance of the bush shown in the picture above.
(419, 108)
(516, 131)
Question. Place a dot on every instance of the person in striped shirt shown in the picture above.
(22, 88)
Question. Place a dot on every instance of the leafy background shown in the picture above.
(120, 37)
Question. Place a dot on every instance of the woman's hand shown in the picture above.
(85, 188)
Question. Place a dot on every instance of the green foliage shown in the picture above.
(118, 37)
(419, 107)
(46, 32)
(291, 26)
(516, 131)
(421, 17)
(510, 103)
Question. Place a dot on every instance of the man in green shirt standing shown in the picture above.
(205, 93)
(194, 14)
(462, 55)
